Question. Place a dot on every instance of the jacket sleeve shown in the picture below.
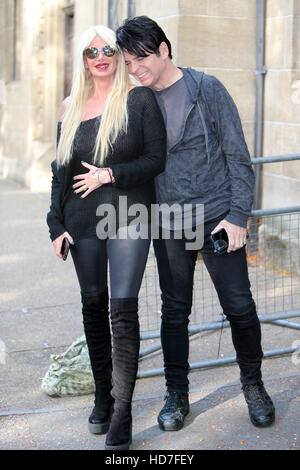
(55, 215)
(237, 156)
(152, 160)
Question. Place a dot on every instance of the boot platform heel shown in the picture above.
(97, 426)
(99, 420)
(123, 446)
(119, 436)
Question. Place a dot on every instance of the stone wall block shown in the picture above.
(275, 8)
(241, 85)
(232, 8)
(285, 109)
(157, 9)
(279, 191)
(194, 7)
(200, 40)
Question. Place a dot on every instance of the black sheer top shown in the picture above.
(135, 159)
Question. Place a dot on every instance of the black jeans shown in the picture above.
(229, 273)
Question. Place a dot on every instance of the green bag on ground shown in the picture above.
(70, 374)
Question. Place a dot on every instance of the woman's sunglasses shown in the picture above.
(93, 52)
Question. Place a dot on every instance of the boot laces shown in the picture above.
(256, 393)
(173, 401)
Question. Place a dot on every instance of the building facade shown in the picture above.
(217, 37)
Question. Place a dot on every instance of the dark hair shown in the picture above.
(141, 36)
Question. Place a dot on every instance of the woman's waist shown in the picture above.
(117, 197)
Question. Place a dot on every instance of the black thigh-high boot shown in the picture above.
(126, 345)
(98, 338)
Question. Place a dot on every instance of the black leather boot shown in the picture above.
(126, 345)
(98, 338)
(171, 417)
(260, 405)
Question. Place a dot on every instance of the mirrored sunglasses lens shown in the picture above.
(91, 52)
(108, 51)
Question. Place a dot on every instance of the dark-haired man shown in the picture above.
(208, 163)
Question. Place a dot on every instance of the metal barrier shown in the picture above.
(274, 272)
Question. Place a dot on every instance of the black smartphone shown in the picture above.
(65, 248)
(220, 241)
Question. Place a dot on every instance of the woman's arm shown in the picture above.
(55, 216)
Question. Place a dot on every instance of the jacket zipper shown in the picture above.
(189, 112)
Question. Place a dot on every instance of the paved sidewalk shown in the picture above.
(40, 315)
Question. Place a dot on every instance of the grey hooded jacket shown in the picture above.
(210, 163)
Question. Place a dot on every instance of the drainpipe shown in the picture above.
(113, 14)
(259, 106)
(131, 8)
(259, 114)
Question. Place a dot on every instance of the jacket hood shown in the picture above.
(193, 80)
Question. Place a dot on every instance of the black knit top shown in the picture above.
(135, 159)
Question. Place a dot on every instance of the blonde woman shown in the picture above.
(111, 143)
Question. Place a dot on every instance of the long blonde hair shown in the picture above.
(114, 118)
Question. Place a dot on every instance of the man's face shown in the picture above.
(147, 70)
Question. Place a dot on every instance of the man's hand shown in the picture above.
(237, 236)
(88, 182)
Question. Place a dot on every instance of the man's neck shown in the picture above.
(170, 75)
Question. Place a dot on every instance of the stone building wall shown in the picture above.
(281, 181)
(215, 36)
(30, 99)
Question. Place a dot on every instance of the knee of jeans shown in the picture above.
(175, 315)
(237, 303)
(244, 318)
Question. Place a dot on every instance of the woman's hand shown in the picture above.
(90, 181)
(57, 243)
